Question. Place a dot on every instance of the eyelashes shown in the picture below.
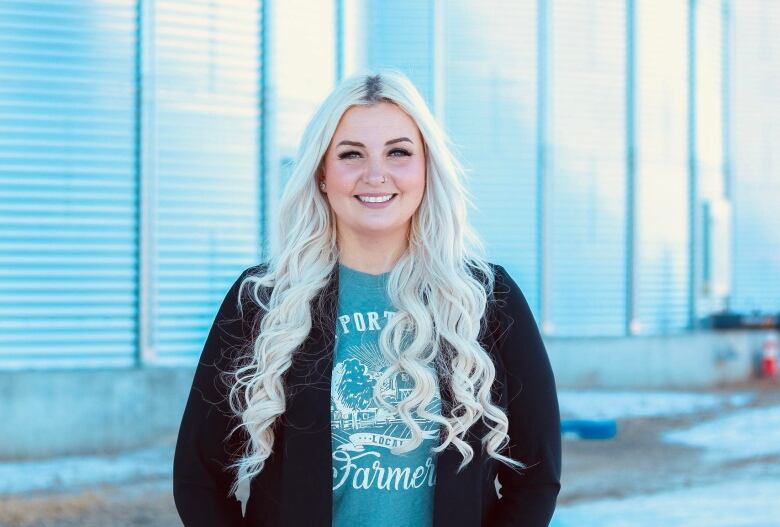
(346, 155)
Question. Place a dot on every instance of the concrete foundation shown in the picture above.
(62, 412)
(697, 359)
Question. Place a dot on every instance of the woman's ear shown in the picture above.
(319, 175)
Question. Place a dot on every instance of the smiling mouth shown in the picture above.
(392, 197)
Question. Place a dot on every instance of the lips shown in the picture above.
(392, 196)
(376, 204)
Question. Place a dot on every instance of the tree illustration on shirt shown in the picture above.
(356, 389)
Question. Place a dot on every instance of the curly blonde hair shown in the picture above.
(434, 286)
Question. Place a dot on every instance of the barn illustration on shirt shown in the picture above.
(356, 421)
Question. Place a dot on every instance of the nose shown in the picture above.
(375, 173)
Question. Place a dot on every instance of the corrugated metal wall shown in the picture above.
(755, 155)
(68, 204)
(709, 153)
(662, 189)
(201, 125)
(134, 134)
(490, 112)
(586, 201)
(129, 174)
(401, 34)
(301, 71)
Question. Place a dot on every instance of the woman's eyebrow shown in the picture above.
(390, 142)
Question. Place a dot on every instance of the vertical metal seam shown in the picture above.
(339, 38)
(542, 203)
(726, 61)
(726, 107)
(630, 294)
(146, 179)
(138, 189)
(692, 168)
(262, 199)
(437, 64)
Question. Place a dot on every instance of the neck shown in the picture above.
(370, 253)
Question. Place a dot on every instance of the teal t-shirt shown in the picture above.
(371, 485)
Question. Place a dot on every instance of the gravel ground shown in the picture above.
(636, 462)
(148, 504)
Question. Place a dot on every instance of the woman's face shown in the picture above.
(372, 143)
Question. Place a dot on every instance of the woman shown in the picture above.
(377, 370)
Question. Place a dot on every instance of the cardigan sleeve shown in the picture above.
(528, 496)
(201, 482)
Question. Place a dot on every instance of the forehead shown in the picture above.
(381, 120)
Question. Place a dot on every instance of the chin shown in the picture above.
(377, 228)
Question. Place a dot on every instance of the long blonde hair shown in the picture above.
(433, 286)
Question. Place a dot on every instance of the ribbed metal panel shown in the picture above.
(587, 175)
(490, 111)
(755, 153)
(709, 148)
(297, 83)
(68, 203)
(400, 35)
(203, 164)
(709, 97)
(662, 190)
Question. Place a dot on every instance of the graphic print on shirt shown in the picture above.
(363, 432)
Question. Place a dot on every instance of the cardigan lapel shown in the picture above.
(307, 471)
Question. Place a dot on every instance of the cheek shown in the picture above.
(412, 178)
(340, 178)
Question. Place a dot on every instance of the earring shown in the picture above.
(322, 185)
(383, 179)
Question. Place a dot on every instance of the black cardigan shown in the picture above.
(295, 486)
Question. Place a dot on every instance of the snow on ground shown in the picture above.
(615, 404)
(745, 434)
(735, 434)
(70, 471)
(73, 471)
(742, 503)
(738, 433)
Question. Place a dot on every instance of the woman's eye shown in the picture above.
(348, 155)
(401, 150)
(345, 155)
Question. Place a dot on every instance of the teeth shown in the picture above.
(375, 199)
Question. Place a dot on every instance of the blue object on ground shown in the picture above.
(590, 428)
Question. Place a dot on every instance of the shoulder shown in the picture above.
(231, 297)
(499, 273)
(231, 307)
(504, 285)
(254, 270)
(498, 286)
(508, 302)
(249, 272)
